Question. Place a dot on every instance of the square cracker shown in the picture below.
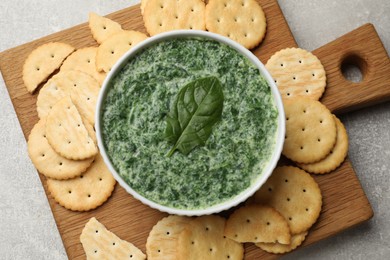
(99, 243)
(42, 62)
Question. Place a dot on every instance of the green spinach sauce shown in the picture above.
(133, 124)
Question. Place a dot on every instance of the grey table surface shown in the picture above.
(27, 227)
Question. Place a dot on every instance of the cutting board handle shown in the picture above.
(363, 48)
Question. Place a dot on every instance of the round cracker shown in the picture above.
(66, 132)
(203, 238)
(86, 192)
(257, 223)
(142, 6)
(167, 15)
(84, 60)
(295, 195)
(115, 46)
(297, 73)
(310, 130)
(277, 248)
(337, 154)
(42, 62)
(81, 87)
(49, 95)
(85, 95)
(163, 238)
(102, 27)
(242, 21)
(47, 161)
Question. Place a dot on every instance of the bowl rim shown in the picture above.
(280, 136)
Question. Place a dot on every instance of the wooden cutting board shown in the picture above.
(344, 202)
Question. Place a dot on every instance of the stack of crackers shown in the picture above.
(315, 138)
(62, 145)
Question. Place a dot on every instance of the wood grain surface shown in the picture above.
(344, 202)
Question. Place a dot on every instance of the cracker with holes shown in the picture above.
(167, 15)
(81, 87)
(257, 223)
(241, 20)
(86, 192)
(203, 238)
(42, 62)
(102, 27)
(85, 95)
(49, 95)
(115, 46)
(295, 195)
(162, 242)
(336, 156)
(47, 161)
(142, 6)
(297, 73)
(84, 60)
(277, 248)
(310, 130)
(100, 243)
(66, 132)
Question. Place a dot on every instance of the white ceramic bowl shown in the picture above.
(280, 132)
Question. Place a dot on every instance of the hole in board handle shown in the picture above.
(354, 68)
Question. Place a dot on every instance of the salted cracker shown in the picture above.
(277, 248)
(42, 62)
(66, 132)
(86, 192)
(47, 161)
(49, 95)
(203, 238)
(84, 60)
(257, 223)
(142, 6)
(162, 242)
(115, 46)
(297, 73)
(84, 96)
(336, 156)
(242, 21)
(81, 87)
(102, 27)
(310, 130)
(295, 195)
(100, 243)
(167, 15)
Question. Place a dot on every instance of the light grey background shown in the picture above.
(27, 227)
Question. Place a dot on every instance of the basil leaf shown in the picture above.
(196, 109)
